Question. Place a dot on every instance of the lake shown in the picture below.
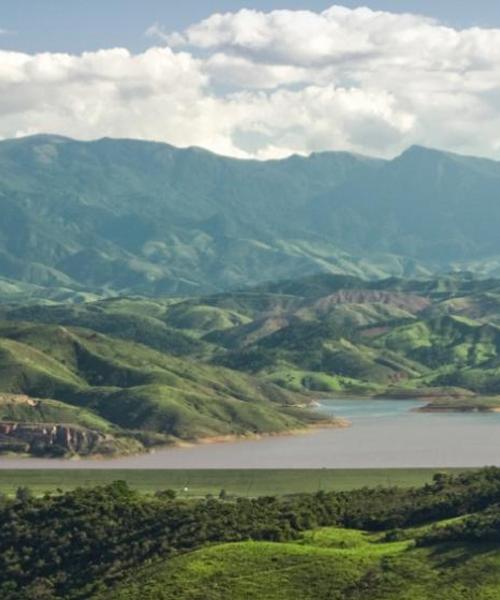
(383, 434)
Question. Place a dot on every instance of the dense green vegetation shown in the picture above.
(321, 334)
(131, 391)
(114, 215)
(365, 544)
(371, 570)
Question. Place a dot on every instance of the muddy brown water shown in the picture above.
(383, 434)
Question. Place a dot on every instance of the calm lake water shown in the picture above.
(384, 433)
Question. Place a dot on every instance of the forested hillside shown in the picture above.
(87, 218)
(368, 544)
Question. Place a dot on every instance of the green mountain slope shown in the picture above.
(127, 387)
(143, 321)
(333, 333)
(124, 215)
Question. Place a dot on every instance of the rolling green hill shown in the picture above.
(127, 389)
(336, 333)
(83, 218)
(324, 334)
(332, 563)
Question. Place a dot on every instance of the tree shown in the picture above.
(24, 494)
(166, 494)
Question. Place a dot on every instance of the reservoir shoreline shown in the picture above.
(384, 434)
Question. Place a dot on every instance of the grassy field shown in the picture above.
(197, 483)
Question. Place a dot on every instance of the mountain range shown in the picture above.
(84, 220)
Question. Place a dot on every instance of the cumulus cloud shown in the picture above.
(158, 95)
(265, 85)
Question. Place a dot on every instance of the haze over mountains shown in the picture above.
(131, 216)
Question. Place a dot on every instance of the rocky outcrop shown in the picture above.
(409, 302)
(42, 438)
(19, 399)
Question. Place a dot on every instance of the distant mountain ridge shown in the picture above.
(114, 216)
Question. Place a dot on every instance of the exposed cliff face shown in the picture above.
(410, 302)
(47, 439)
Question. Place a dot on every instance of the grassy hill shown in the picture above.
(139, 320)
(18, 408)
(331, 333)
(326, 564)
(122, 386)
(325, 333)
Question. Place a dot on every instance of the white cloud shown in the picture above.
(155, 95)
(260, 84)
(320, 117)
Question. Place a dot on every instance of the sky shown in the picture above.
(256, 79)
(71, 26)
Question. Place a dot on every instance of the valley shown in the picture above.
(126, 375)
(249, 300)
(151, 296)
